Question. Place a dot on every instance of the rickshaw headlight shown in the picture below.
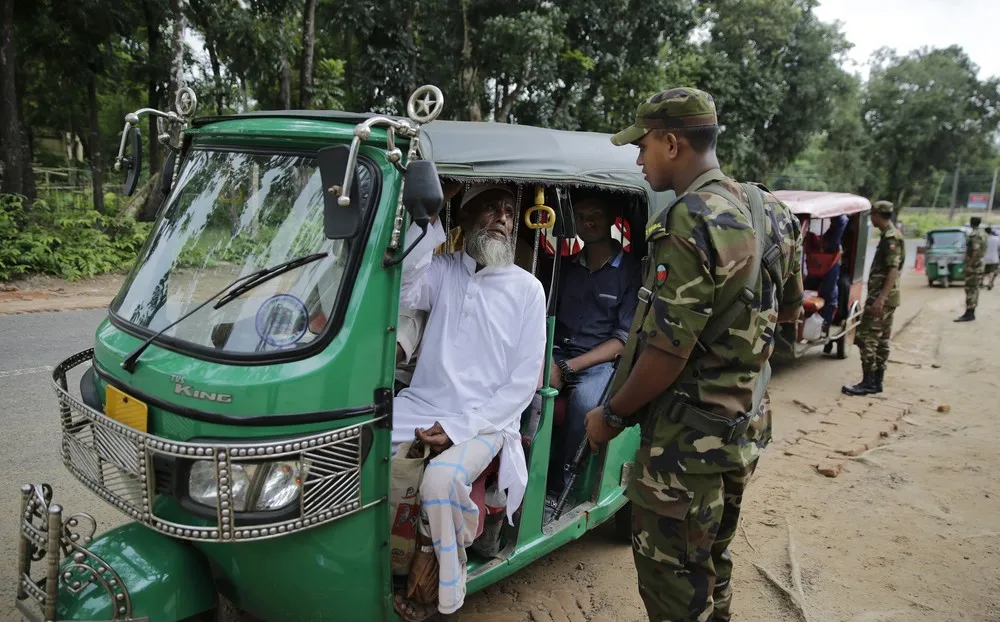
(281, 486)
(203, 486)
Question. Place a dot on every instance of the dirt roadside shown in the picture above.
(48, 293)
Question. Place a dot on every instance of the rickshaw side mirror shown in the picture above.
(134, 162)
(422, 192)
(339, 222)
(565, 226)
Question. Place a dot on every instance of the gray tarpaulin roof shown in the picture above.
(499, 151)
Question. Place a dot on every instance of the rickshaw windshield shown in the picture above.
(232, 214)
(946, 239)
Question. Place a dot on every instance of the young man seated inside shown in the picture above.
(480, 357)
(598, 291)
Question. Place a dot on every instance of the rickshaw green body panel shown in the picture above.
(167, 578)
(339, 570)
(944, 254)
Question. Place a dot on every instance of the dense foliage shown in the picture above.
(791, 116)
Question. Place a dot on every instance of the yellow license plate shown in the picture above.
(125, 409)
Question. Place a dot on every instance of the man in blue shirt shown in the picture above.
(597, 299)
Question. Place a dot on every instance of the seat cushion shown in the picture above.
(478, 494)
(811, 302)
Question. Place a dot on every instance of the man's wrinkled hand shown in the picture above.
(435, 438)
(598, 431)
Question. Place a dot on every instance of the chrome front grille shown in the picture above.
(128, 468)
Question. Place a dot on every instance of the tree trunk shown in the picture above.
(176, 52)
(409, 82)
(286, 83)
(213, 58)
(152, 86)
(308, 46)
(469, 76)
(11, 139)
(96, 164)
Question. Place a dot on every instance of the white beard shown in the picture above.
(488, 251)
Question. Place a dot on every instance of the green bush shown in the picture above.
(55, 235)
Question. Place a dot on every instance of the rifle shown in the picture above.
(574, 467)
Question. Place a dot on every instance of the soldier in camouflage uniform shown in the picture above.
(700, 401)
(873, 334)
(975, 266)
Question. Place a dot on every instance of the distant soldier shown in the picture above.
(975, 265)
(883, 298)
(724, 267)
(992, 257)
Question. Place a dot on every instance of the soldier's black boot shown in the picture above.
(969, 316)
(877, 381)
(865, 387)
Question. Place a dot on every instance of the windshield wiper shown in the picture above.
(236, 289)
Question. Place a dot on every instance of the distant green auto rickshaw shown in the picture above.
(944, 255)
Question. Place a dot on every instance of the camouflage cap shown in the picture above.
(670, 109)
(883, 207)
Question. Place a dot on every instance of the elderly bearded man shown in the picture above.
(481, 355)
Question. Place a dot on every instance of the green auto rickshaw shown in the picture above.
(944, 255)
(237, 404)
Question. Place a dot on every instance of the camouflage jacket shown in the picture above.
(701, 250)
(975, 252)
(891, 253)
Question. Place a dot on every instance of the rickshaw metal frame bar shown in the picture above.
(63, 538)
(330, 461)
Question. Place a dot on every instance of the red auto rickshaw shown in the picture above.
(835, 245)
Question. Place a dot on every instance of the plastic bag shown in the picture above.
(407, 469)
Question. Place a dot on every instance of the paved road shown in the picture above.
(30, 345)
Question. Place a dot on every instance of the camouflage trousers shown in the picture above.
(973, 282)
(682, 551)
(873, 338)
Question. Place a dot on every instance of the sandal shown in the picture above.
(411, 611)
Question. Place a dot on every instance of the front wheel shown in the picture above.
(944, 283)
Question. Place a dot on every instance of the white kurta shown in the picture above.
(481, 353)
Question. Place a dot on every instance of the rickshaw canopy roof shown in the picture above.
(498, 152)
(822, 204)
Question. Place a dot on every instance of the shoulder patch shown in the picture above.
(662, 272)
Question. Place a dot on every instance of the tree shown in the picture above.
(308, 48)
(925, 111)
(844, 148)
(16, 159)
(771, 66)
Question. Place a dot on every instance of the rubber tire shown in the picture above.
(622, 523)
(945, 283)
(842, 347)
(930, 282)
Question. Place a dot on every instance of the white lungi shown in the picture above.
(449, 516)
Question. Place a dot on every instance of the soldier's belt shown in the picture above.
(679, 411)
